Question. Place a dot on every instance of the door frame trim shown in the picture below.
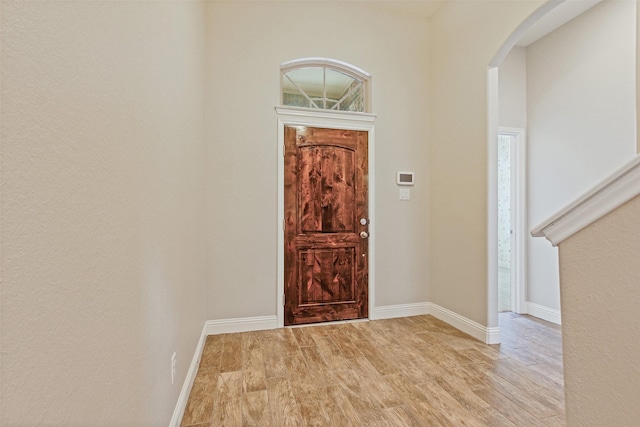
(293, 116)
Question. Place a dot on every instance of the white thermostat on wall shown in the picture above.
(405, 178)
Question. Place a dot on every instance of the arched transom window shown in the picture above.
(325, 84)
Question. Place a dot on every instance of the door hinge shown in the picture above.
(283, 299)
(284, 225)
(284, 150)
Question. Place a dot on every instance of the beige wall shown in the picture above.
(599, 273)
(458, 147)
(247, 41)
(103, 249)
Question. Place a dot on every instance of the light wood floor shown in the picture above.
(414, 371)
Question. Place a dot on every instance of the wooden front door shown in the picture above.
(326, 225)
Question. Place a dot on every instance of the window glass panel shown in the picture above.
(337, 84)
(323, 88)
(296, 99)
(353, 98)
(308, 82)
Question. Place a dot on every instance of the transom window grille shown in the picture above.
(325, 84)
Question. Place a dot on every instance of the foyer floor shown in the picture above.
(414, 371)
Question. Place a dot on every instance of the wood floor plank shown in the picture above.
(304, 336)
(227, 410)
(382, 364)
(364, 368)
(459, 391)
(313, 414)
(416, 371)
(338, 408)
(478, 355)
(202, 397)
(557, 421)
(449, 409)
(313, 357)
(355, 331)
(356, 392)
(525, 378)
(522, 355)
(472, 374)
(295, 363)
(508, 408)
(231, 359)
(287, 340)
(310, 385)
(212, 352)
(282, 403)
(375, 418)
(255, 409)
(383, 392)
(415, 399)
(279, 341)
(553, 373)
(532, 401)
(276, 365)
(334, 358)
(402, 416)
(253, 372)
(344, 343)
(493, 418)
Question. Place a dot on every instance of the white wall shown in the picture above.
(581, 121)
(103, 248)
(512, 84)
(247, 42)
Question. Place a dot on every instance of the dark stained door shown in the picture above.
(325, 210)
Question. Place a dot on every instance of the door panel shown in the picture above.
(326, 259)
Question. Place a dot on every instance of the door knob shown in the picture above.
(364, 234)
(364, 221)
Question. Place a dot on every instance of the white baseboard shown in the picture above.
(399, 310)
(476, 330)
(492, 335)
(242, 324)
(468, 326)
(183, 398)
(545, 313)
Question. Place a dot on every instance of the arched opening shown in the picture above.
(572, 141)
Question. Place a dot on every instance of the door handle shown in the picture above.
(364, 234)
